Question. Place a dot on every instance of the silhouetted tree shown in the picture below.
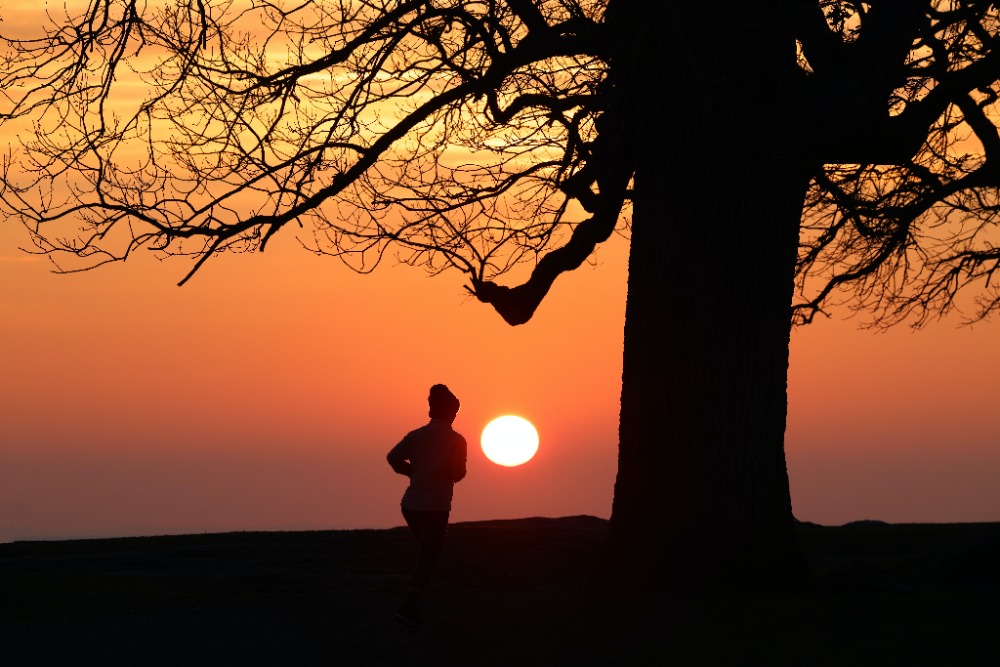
(765, 158)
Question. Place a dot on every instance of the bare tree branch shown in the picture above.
(913, 221)
(479, 136)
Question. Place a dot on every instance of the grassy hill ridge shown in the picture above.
(507, 592)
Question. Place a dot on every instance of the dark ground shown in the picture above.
(508, 593)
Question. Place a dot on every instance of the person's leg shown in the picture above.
(429, 528)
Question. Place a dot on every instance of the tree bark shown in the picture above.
(702, 498)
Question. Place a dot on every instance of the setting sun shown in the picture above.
(510, 440)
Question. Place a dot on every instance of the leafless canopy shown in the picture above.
(905, 212)
(475, 134)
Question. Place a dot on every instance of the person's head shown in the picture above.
(443, 403)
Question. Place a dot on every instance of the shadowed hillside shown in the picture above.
(508, 592)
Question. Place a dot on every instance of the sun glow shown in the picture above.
(510, 440)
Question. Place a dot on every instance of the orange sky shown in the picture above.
(266, 392)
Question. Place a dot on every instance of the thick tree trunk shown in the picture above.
(702, 498)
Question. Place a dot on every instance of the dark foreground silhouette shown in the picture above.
(433, 459)
(505, 593)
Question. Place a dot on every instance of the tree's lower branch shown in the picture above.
(516, 305)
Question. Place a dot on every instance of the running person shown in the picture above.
(433, 457)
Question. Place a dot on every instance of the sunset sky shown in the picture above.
(265, 393)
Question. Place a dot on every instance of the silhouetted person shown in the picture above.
(433, 457)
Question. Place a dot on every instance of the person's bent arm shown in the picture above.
(397, 459)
